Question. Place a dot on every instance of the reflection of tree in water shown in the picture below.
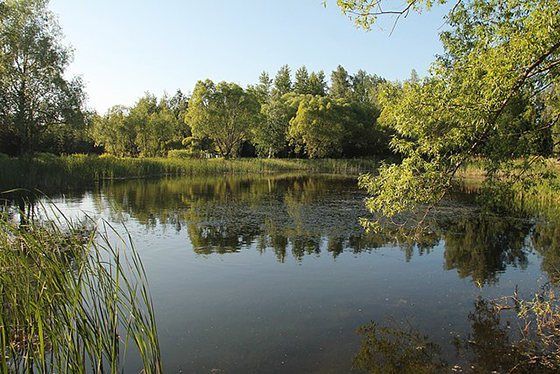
(492, 346)
(306, 215)
(396, 350)
(481, 246)
(546, 241)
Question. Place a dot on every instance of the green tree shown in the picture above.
(113, 132)
(318, 127)
(366, 88)
(477, 101)
(283, 81)
(317, 84)
(341, 87)
(225, 113)
(263, 90)
(178, 104)
(34, 92)
(301, 86)
(269, 135)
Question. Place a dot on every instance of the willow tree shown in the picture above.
(223, 113)
(478, 100)
(34, 91)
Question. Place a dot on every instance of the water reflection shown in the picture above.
(202, 240)
(493, 345)
(307, 215)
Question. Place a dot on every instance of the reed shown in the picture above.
(70, 301)
(45, 171)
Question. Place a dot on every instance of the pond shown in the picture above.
(274, 274)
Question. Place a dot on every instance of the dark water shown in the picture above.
(275, 274)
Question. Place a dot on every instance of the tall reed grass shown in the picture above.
(49, 171)
(71, 301)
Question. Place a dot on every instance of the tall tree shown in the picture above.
(317, 84)
(225, 113)
(283, 81)
(113, 132)
(269, 133)
(301, 86)
(34, 92)
(263, 89)
(341, 87)
(498, 56)
(178, 104)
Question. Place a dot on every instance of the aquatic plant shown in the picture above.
(71, 301)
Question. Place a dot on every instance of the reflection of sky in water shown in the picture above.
(303, 276)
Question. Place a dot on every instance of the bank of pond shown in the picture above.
(273, 273)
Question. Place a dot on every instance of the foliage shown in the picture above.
(301, 85)
(326, 127)
(318, 128)
(148, 129)
(269, 133)
(317, 84)
(478, 102)
(224, 113)
(283, 81)
(341, 87)
(34, 92)
(113, 132)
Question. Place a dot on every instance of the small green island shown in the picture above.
(305, 222)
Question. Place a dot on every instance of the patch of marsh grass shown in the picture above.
(71, 301)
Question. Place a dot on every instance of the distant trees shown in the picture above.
(329, 127)
(148, 129)
(224, 113)
(35, 95)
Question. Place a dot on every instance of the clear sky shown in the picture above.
(124, 48)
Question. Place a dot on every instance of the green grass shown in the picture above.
(45, 171)
(71, 302)
(538, 196)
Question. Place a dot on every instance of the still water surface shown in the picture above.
(275, 275)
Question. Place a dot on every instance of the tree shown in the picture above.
(114, 133)
(225, 113)
(283, 81)
(477, 102)
(34, 92)
(178, 104)
(317, 84)
(269, 133)
(318, 127)
(301, 86)
(366, 87)
(340, 84)
(263, 90)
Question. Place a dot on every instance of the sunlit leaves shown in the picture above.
(480, 101)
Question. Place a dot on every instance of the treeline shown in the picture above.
(279, 117)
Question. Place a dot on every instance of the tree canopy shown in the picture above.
(34, 92)
(478, 101)
(224, 113)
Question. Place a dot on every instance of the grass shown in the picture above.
(70, 302)
(45, 171)
(537, 196)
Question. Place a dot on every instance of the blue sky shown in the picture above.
(124, 48)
